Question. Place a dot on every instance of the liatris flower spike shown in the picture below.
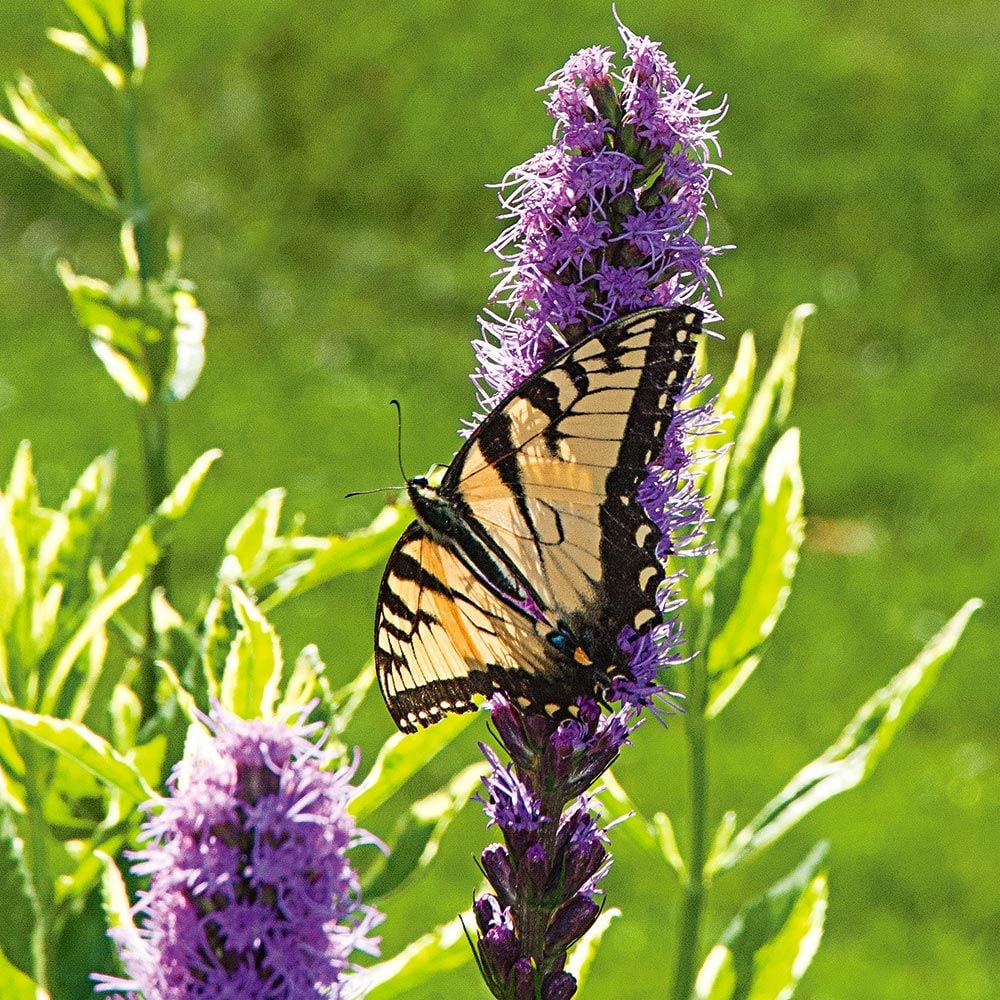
(251, 893)
(602, 224)
(544, 876)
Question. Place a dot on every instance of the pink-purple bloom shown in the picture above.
(608, 219)
(251, 894)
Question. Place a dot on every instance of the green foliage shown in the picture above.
(770, 943)
(50, 144)
(80, 743)
(857, 750)
(417, 837)
(429, 956)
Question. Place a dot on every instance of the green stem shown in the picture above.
(37, 859)
(154, 431)
(696, 729)
(136, 208)
(153, 424)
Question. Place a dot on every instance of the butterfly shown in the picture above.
(533, 554)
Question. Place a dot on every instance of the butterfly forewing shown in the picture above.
(548, 481)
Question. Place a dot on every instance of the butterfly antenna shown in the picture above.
(399, 437)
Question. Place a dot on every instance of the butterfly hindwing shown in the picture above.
(441, 637)
(547, 486)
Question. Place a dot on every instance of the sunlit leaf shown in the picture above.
(767, 948)
(86, 511)
(765, 418)
(441, 950)
(766, 582)
(12, 578)
(127, 575)
(117, 339)
(344, 701)
(417, 838)
(310, 561)
(401, 757)
(114, 894)
(857, 750)
(731, 409)
(16, 984)
(49, 143)
(83, 746)
(251, 678)
(583, 953)
(255, 533)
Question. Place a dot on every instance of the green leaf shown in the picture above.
(303, 562)
(857, 750)
(343, 702)
(653, 837)
(731, 409)
(767, 948)
(735, 651)
(79, 44)
(86, 512)
(441, 950)
(401, 757)
(251, 678)
(149, 334)
(767, 413)
(114, 894)
(17, 985)
(12, 569)
(417, 837)
(126, 577)
(82, 746)
(17, 926)
(50, 144)
(582, 956)
(255, 534)
(118, 339)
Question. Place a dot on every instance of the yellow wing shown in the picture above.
(442, 637)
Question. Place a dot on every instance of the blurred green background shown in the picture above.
(326, 165)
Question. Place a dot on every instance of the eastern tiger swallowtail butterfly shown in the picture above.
(527, 562)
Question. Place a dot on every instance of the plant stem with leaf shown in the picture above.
(37, 858)
(152, 415)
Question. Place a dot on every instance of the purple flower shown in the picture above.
(544, 875)
(250, 892)
(608, 219)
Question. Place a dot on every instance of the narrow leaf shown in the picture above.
(767, 948)
(734, 652)
(769, 409)
(84, 747)
(401, 757)
(252, 675)
(857, 750)
(311, 561)
(17, 926)
(417, 838)
(441, 950)
(731, 409)
(126, 577)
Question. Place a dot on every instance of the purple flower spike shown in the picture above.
(608, 219)
(251, 893)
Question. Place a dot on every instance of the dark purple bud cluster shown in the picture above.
(544, 876)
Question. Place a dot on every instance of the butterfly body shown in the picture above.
(531, 559)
